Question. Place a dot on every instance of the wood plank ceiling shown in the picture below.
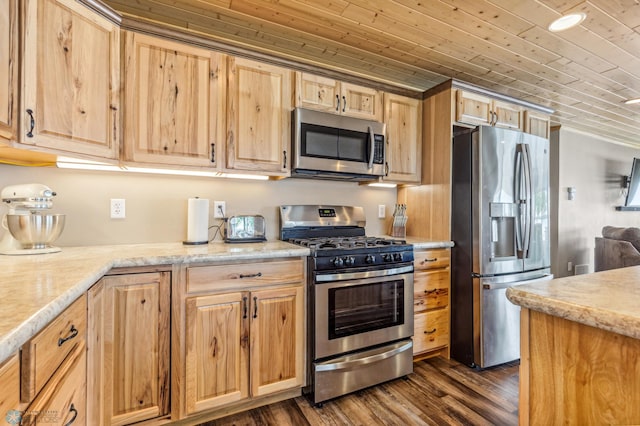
(584, 74)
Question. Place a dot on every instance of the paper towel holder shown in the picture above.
(198, 210)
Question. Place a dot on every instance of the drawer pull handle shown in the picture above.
(435, 259)
(430, 331)
(244, 310)
(255, 307)
(73, 332)
(430, 291)
(259, 274)
(73, 410)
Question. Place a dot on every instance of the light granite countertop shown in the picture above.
(425, 244)
(34, 289)
(609, 300)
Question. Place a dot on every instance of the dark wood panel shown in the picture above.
(440, 391)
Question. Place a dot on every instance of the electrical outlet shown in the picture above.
(117, 208)
(219, 209)
(381, 211)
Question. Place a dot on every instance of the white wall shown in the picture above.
(595, 168)
(156, 205)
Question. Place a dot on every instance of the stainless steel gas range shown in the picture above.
(360, 300)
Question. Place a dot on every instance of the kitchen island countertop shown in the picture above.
(34, 289)
(607, 300)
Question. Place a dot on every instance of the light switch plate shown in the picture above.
(381, 211)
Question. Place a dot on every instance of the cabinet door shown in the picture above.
(217, 347)
(508, 116)
(259, 117)
(360, 102)
(174, 102)
(10, 390)
(316, 92)
(129, 348)
(403, 117)
(8, 68)
(276, 340)
(472, 108)
(537, 124)
(71, 79)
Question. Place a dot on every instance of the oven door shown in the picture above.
(358, 312)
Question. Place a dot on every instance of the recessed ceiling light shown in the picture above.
(567, 21)
(632, 101)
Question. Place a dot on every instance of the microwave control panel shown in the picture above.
(378, 149)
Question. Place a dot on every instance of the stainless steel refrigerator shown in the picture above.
(500, 227)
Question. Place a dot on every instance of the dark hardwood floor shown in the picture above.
(439, 392)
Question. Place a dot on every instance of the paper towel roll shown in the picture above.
(198, 221)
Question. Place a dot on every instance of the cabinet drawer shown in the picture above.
(431, 259)
(44, 353)
(63, 400)
(430, 289)
(431, 330)
(244, 275)
(10, 389)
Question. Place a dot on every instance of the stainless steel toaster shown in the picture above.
(245, 229)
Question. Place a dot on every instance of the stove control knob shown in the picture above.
(337, 262)
(397, 257)
(349, 260)
(370, 259)
(387, 257)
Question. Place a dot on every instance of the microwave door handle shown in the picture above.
(373, 146)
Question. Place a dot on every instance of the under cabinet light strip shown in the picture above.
(78, 164)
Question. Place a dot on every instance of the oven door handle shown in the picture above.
(361, 275)
(345, 365)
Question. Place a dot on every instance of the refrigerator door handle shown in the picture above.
(528, 200)
(499, 286)
(519, 192)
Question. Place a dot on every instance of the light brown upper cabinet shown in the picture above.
(326, 94)
(403, 117)
(537, 124)
(70, 69)
(476, 109)
(174, 100)
(9, 37)
(259, 117)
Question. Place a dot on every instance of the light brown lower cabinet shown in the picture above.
(243, 335)
(62, 401)
(128, 348)
(431, 302)
(10, 406)
(241, 345)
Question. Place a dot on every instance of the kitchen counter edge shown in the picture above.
(58, 279)
(607, 300)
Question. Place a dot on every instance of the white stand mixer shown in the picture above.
(27, 230)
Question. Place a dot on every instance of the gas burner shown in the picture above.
(346, 242)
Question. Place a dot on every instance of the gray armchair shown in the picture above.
(617, 248)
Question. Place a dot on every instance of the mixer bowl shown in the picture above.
(35, 231)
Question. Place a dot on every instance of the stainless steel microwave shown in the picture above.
(331, 146)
